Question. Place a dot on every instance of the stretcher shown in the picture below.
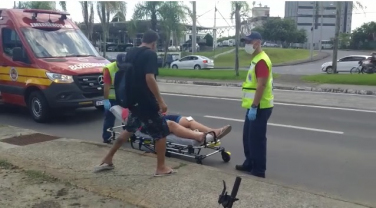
(174, 145)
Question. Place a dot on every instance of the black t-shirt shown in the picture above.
(145, 62)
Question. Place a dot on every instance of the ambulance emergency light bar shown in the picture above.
(35, 13)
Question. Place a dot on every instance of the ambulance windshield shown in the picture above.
(59, 43)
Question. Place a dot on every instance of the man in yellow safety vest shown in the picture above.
(109, 72)
(258, 100)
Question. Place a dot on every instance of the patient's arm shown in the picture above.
(183, 132)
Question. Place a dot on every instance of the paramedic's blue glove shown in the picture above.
(106, 104)
(252, 114)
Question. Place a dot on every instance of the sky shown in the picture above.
(205, 12)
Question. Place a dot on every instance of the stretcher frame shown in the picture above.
(189, 151)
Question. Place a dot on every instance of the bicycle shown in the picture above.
(359, 69)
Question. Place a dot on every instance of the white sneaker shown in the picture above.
(103, 166)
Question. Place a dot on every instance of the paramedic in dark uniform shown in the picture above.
(258, 101)
(109, 94)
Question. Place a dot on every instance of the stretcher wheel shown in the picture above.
(199, 161)
(226, 156)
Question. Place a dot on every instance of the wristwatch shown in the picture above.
(254, 106)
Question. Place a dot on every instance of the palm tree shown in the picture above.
(88, 14)
(147, 9)
(48, 5)
(105, 9)
(240, 10)
(172, 14)
(63, 5)
(132, 29)
(119, 17)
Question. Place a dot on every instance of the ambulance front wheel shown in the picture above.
(38, 107)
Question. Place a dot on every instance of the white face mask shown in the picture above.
(249, 48)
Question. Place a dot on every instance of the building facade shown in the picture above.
(259, 14)
(321, 15)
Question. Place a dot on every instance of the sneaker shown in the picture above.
(103, 167)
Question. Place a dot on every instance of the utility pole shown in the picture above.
(336, 36)
(215, 27)
(312, 29)
(194, 29)
(322, 22)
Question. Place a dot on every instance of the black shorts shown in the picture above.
(152, 123)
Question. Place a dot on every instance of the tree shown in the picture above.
(47, 5)
(119, 17)
(364, 37)
(105, 9)
(63, 5)
(283, 30)
(88, 14)
(209, 39)
(344, 40)
(172, 13)
(239, 9)
(146, 10)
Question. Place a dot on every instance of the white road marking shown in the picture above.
(280, 125)
(276, 103)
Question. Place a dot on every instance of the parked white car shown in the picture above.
(344, 64)
(193, 62)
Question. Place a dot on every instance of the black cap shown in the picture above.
(253, 36)
(120, 60)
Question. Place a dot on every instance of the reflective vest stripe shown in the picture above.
(249, 95)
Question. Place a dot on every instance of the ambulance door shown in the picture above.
(13, 74)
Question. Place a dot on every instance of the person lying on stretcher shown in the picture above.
(187, 127)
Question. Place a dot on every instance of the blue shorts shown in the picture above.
(175, 118)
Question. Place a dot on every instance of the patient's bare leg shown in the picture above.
(183, 132)
(196, 125)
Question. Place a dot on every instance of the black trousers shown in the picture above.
(254, 141)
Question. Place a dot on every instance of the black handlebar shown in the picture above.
(224, 199)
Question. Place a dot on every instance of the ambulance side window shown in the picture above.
(10, 40)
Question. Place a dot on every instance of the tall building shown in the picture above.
(320, 14)
(259, 14)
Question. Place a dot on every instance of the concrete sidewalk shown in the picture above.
(193, 186)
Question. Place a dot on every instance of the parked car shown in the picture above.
(269, 44)
(193, 62)
(344, 64)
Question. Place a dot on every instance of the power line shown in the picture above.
(204, 13)
(222, 17)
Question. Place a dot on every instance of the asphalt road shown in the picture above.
(313, 67)
(319, 149)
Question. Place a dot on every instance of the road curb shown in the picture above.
(276, 86)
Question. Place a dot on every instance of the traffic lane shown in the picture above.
(314, 161)
(82, 124)
(295, 156)
(358, 124)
